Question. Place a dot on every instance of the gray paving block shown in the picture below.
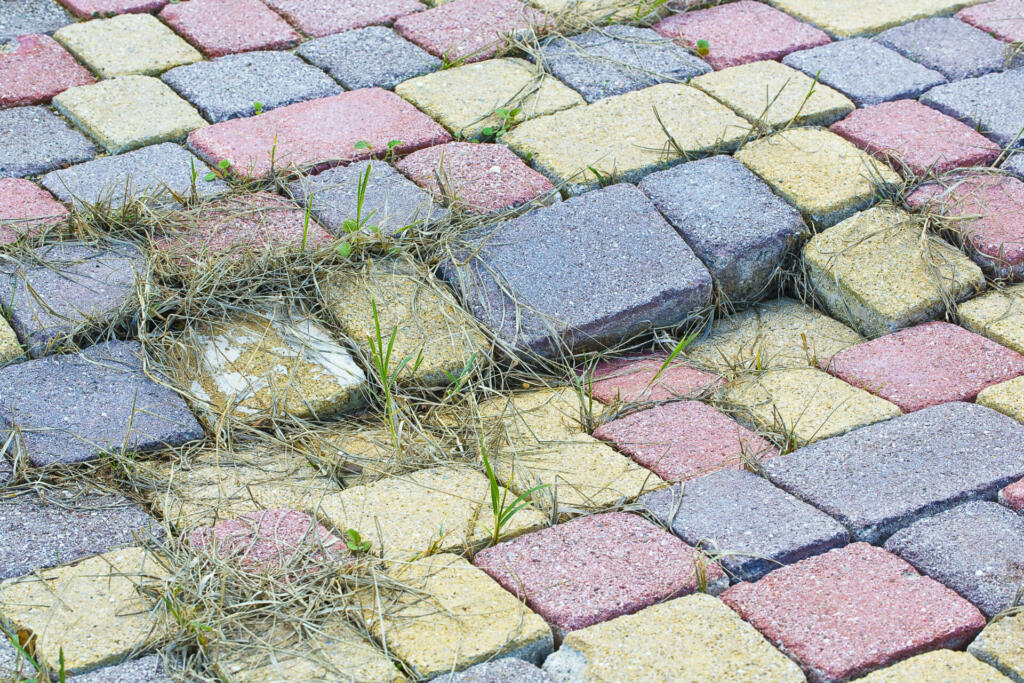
(881, 478)
(228, 87)
(72, 408)
(374, 57)
(153, 174)
(758, 525)
(507, 670)
(592, 270)
(977, 549)
(20, 17)
(990, 103)
(66, 287)
(1015, 165)
(619, 59)
(34, 140)
(864, 71)
(949, 46)
(735, 224)
(146, 669)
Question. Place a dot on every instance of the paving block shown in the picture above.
(1014, 165)
(949, 46)
(818, 172)
(129, 112)
(1001, 645)
(360, 454)
(26, 208)
(847, 18)
(34, 68)
(229, 87)
(149, 669)
(596, 568)
(34, 140)
(126, 44)
(533, 299)
(88, 9)
(977, 549)
(466, 99)
(24, 17)
(527, 419)
(865, 71)
(689, 639)
(507, 669)
(988, 103)
(1007, 398)
(886, 476)
(10, 349)
(1002, 19)
(737, 227)
(939, 665)
(223, 27)
(373, 57)
(878, 273)
(321, 132)
(324, 17)
(598, 12)
(645, 378)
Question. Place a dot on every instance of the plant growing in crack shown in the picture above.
(506, 118)
(387, 374)
(502, 510)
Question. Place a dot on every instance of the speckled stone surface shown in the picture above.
(950, 46)
(126, 44)
(596, 568)
(221, 27)
(149, 669)
(34, 140)
(12, 662)
(846, 18)
(940, 665)
(6, 473)
(34, 68)
(997, 314)
(640, 379)
(10, 348)
(1001, 644)
(881, 478)
(1002, 19)
(468, 30)
(1014, 165)
(988, 103)
(876, 273)
(505, 670)
(23, 17)
(318, 18)
(373, 57)
(26, 208)
(88, 9)
(1007, 398)
(527, 419)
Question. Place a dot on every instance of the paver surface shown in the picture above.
(372, 57)
(221, 27)
(950, 47)
(126, 44)
(34, 140)
(35, 69)
(26, 208)
(986, 103)
(1001, 646)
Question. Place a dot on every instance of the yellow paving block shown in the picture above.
(998, 314)
(846, 18)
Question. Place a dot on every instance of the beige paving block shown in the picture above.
(597, 10)
(451, 616)
(126, 44)
(358, 455)
(533, 416)
(998, 314)
(818, 172)
(93, 611)
(10, 348)
(775, 95)
(879, 272)
(940, 666)
(1006, 397)
(846, 18)
(1001, 644)
(464, 99)
(622, 138)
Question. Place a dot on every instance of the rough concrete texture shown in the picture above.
(88, 9)
(324, 17)
(507, 669)
(360, 455)
(524, 420)
(847, 18)
(35, 68)
(1007, 398)
(950, 46)
(647, 378)
(34, 140)
(373, 57)
(10, 348)
(26, 208)
(1014, 165)
(126, 44)
(1001, 644)
(988, 104)
(1002, 19)
(940, 665)
(149, 669)
(23, 17)
(221, 27)
(998, 314)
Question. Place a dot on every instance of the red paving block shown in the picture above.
(318, 18)
(741, 32)
(684, 440)
(37, 69)
(632, 380)
(223, 27)
(852, 610)
(926, 365)
(1004, 19)
(89, 8)
(25, 207)
(482, 177)
(596, 568)
(318, 133)
(916, 138)
(1013, 496)
(468, 30)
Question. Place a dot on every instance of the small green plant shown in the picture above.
(355, 542)
(222, 168)
(360, 222)
(363, 144)
(305, 222)
(257, 107)
(506, 117)
(386, 374)
(459, 378)
(703, 47)
(61, 672)
(679, 348)
(501, 509)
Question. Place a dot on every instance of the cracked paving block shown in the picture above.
(25, 209)
(852, 610)
(1007, 398)
(34, 140)
(989, 103)
(997, 314)
(24, 17)
(848, 18)
(884, 477)
(373, 57)
(641, 379)
(469, 30)
(939, 665)
(126, 44)
(34, 68)
(317, 18)
(149, 669)
(878, 273)
(1001, 645)
(222, 27)
(949, 46)
(506, 669)
(88, 9)
(1002, 19)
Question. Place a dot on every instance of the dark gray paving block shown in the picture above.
(72, 408)
(151, 174)
(735, 224)
(19, 17)
(66, 287)
(34, 140)
(864, 71)
(374, 57)
(507, 670)
(593, 270)
(619, 59)
(144, 670)
(228, 87)
(990, 103)
(881, 478)
(1015, 165)
(760, 526)
(949, 46)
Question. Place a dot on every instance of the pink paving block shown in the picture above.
(318, 133)
(323, 17)
(852, 610)
(632, 380)
(482, 178)
(26, 208)
(596, 568)
(915, 138)
(468, 30)
(223, 27)
(1004, 19)
(684, 440)
(1013, 496)
(926, 365)
(741, 32)
(90, 8)
(36, 70)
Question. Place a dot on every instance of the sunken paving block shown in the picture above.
(506, 669)
(87, 9)
(126, 44)
(878, 272)
(223, 27)
(569, 290)
(755, 526)
(24, 17)
(150, 669)
(34, 140)
(1007, 398)
(229, 87)
(469, 30)
(373, 57)
(737, 227)
(938, 665)
(26, 208)
(34, 68)
(883, 477)
(1001, 645)
(1013, 496)
(466, 99)
(689, 639)
(852, 610)
(10, 348)
(318, 18)
(818, 172)
(998, 314)
(977, 549)
(1002, 19)
(319, 132)
(636, 379)
(949, 46)
(990, 104)
(847, 18)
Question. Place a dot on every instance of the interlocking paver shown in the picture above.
(998, 314)
(34, 140)
(319, 18)
(507, 669)
(87, 9)
(373, 57)
(637, 379)
(469, 30)
(1001, 645)
(1002, 19)
(939, 665)
(1007, 398)
(876, 272)
(949, 46)
(737, 227)
(34, 68)
(596, 568)
(847, 18)
(126, 44)
(622, 292)
(883, 477)
(988, 103)
(149, 669)
(24, 17)
(26, 208)
(221, 27)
